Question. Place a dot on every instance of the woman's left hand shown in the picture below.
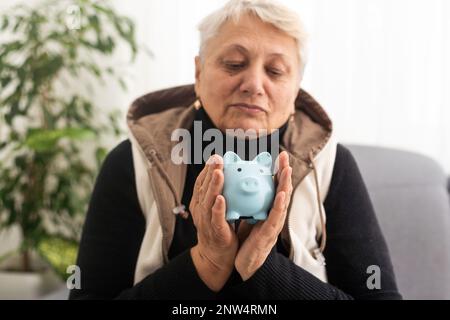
(257, 241)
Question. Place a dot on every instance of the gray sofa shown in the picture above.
(410, 194)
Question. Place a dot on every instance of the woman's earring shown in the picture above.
(197, 104)
(291, 118)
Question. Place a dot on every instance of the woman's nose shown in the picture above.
(253, 82)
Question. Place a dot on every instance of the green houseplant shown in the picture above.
(51, 132)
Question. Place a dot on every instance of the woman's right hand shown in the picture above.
(215, 252)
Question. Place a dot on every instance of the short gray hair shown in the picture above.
(268, 11)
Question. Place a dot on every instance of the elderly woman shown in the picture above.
(156, 227)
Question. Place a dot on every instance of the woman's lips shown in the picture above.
(248, 108)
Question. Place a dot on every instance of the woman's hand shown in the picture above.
(215, 252)
(257, 241)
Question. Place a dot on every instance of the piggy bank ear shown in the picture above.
(264, 159)
(230, 157)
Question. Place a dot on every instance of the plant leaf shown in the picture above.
(44, 140)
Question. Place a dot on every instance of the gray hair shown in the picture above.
(268, 11)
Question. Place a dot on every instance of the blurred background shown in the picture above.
(70, 69)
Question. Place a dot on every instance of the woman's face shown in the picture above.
(249, 76)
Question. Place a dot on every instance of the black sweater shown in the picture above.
(115, 226)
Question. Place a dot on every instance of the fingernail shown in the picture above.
(214, 159)
(216, 203)
(210, 161)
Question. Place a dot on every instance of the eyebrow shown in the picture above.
(244, 50)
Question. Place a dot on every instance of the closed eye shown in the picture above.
(234, 66)
(274, 72)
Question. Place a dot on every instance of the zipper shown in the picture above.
(318, 252)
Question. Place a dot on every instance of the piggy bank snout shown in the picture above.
(249, 184)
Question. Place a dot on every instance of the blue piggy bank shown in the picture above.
(249, 187)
